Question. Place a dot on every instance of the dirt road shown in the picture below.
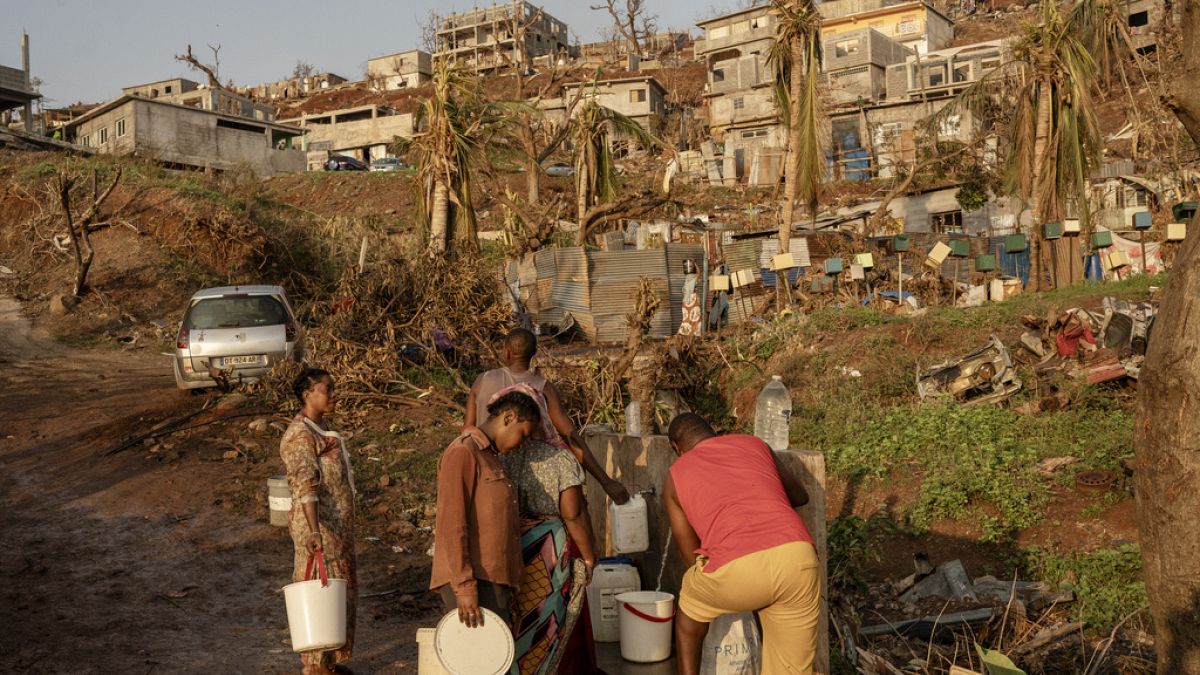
(132, 563)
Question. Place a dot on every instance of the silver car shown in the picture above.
(235, 334)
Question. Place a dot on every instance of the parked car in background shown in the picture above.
(388, 164)
(235, 334)
(344, 163)
(559, 170)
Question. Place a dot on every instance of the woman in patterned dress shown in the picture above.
(322, 516)
(550, 624)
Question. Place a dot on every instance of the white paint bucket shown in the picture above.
(279, 498)
(427, 659)
(483, 650)
(646, 621)
(316, 610)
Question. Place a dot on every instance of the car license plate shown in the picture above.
(241, 361)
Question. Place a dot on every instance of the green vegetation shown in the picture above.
(1108, 583)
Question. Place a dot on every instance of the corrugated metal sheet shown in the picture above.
(598, 289)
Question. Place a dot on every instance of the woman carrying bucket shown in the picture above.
(321, 521)
(476, 553)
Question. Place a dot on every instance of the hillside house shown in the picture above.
(187, 136)
(918, 25)
(742, 112)
(402, 70)
(363, 132)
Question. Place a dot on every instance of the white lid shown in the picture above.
(777, 378)
(484, 650)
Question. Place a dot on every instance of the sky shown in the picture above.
(87, 50)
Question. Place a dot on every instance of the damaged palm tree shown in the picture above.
(796, 59)
(457, 124)
(1055, 135)
(592, 127)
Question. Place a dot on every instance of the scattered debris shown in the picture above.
(1051, 465)
(986, 375)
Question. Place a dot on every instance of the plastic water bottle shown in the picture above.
(772, 413)
(633, 419)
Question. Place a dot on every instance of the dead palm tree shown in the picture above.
(591, 128)
(456, 126)
(796, 59)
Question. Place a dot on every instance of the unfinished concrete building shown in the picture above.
(294, 87)
(856, 63)
(185, 136)
(364, 133)
(944, 72)
(182, 91)
(490, 39)
(16, 87)
(742, 111)
(402, 70)
(918, 25)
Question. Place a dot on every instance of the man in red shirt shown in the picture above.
(731, 509)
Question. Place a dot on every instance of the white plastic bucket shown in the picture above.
(316, 611)
(646, 621)
(427, 658)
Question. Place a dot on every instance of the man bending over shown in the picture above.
(731, 510)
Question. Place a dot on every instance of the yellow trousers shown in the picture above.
(782, 584)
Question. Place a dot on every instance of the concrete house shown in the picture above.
(916, 25)
(1144, 18)
(182, 91)
(486, 39)
(363, 132)
(402, 70)
(740, 99)
(641, 98)
(187, 136)
(16, 87)
(855, 64)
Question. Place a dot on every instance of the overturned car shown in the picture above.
(986, 375)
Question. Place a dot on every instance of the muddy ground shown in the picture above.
(140, 563)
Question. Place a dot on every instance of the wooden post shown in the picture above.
(900, 277)
(1142, 241)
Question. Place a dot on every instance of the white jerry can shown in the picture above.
(630, 529)
(612, 577)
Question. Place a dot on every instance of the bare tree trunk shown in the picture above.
(583, 182)
(1041, 145)
(533, 169)
(1167, 473)
(791, 185)
(1167, 428)
(439, 218)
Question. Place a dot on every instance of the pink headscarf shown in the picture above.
(545, 431)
